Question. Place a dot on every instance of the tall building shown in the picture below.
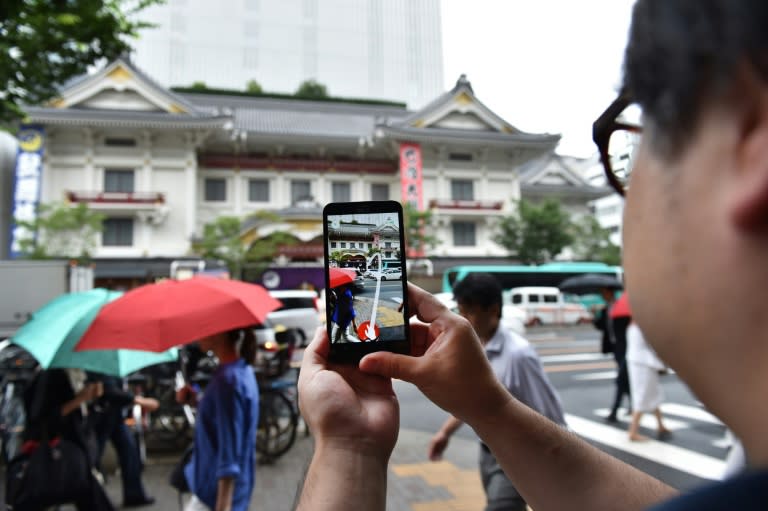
(383, 49)
(161, 165)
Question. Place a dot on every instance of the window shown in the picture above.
(387, 244)
(120, 181)
(550, 299)
(464, 234)
(533, 298)
(333, 244)
(379, 191)
(517, 298)
(215, 189)
(119, 142)
(118, 232)
(462, 189)
(460, 156)
(340, 191)
(258, 190)
(343, 245)
(300, 189)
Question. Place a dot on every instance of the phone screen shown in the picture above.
(365, 271)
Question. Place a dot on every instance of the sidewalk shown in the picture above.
(415, 484)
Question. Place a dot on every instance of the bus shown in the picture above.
(549, 274)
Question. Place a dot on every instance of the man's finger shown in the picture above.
(423, 305)
(316, 353)
(391, 365)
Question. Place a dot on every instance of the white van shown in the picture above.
(547, 306)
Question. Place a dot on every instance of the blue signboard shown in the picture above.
(27, 183)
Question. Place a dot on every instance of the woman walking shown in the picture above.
(647, 394)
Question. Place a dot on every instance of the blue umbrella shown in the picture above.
(54, 330)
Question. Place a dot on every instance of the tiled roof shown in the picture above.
(297, 117)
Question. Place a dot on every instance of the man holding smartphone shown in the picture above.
(695, 253)
(516, 365)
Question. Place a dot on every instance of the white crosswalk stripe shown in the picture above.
(575, 357)
(647, 420)
(599, 375)
(679, 458)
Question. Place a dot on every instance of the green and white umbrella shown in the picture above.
(53, 331)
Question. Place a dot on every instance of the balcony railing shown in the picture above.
(128, 198)
(466, 204)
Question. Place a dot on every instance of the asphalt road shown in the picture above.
(584, 379)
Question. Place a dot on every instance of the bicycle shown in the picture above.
(278, 406)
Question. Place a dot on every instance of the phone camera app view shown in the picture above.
(365, 300)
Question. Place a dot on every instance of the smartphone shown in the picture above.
(365, 279)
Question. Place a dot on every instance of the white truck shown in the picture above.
(547, 306)
(27, 285)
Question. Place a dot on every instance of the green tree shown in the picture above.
(417, 229)
(592, 242)
(223, 239)
(62, 231)
(311, 89)
(253, 87)
(44, 43)
(537, 233)
(199, 85)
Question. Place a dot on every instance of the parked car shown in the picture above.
(545, 305)
(512, 318)
(300, 311)
(391, 274)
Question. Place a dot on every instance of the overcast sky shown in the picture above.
(543, 65)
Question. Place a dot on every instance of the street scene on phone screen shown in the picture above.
(365, 297)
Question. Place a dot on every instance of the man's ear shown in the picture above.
(748, 192)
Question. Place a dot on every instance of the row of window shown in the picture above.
(259, 190)
(118, 232)
(122, 181)
(358, 244)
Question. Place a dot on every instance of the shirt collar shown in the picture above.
(496, 343)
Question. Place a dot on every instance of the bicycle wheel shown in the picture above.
(277, 425)
(12, 419)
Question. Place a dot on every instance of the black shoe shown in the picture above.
(140, 502)
(611, 418)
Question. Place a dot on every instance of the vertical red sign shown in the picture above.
(411, 184)
(410, 175)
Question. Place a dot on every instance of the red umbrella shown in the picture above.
(341, 276)
(620, 307)
(155, 317)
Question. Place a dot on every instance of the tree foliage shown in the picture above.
(253, 87)
(592, 242)
(311, 89)
(418, 237)
(222, 240)
(62, 231)
(47, 42)
(537, 232)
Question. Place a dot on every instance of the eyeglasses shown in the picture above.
(616, 139)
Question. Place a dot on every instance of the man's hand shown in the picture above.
(148, 404)
(345, 407)
(447, 361)
(437, 446)
(355, 419)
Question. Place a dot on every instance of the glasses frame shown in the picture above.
(603, 128)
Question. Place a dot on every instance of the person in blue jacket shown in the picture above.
(221, 472)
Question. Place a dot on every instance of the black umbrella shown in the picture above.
(590, 283)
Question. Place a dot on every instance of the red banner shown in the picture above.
(410, 175)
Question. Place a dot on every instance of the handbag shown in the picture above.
(56, 471)
(177, 479)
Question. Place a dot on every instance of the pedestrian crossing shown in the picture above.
(698, 445)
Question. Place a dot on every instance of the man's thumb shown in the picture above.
(391, 365)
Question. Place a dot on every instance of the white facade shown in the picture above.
(161, 166)
(358, 48)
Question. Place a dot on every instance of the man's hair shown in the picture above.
(478, 289)
(683, 54)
